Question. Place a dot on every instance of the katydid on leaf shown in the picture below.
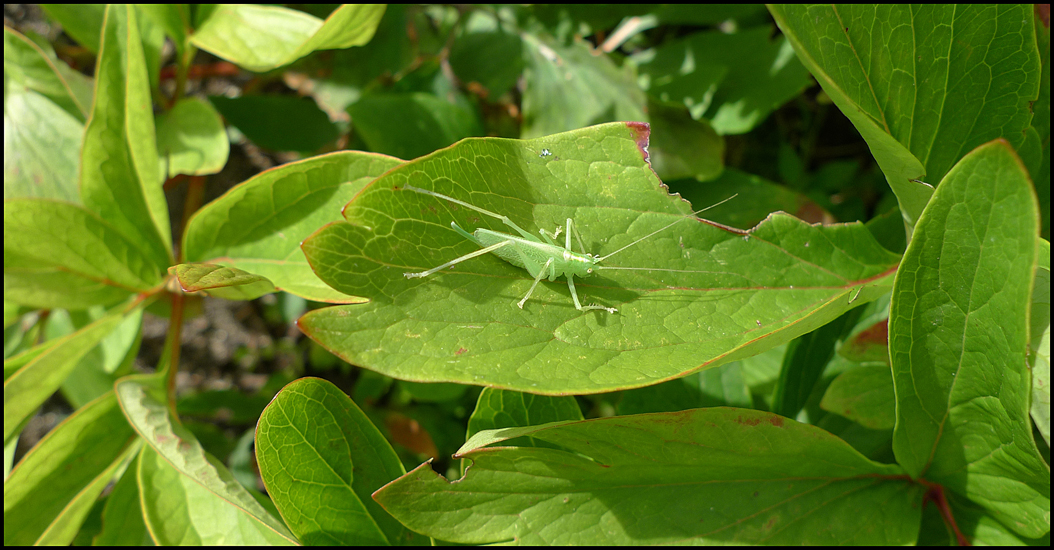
(541, 258)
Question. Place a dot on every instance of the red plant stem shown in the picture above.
(175, 180)
(935, 493)
(196, 72)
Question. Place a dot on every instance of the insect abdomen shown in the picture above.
(535, 253)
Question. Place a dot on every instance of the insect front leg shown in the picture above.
(504, 219)
(464, 233)
(578, 305)
(551, 237)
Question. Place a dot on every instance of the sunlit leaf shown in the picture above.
(261, 38)
(257, 227)
(314, 445)
(958, 341)
(744, 292)
(50, 492)
(176, 472)
(191, 139)
(120, 179)
(923, 84)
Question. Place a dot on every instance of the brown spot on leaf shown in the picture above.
(749, 421)
(641, 133)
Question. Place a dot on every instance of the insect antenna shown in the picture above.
(602, 258)
(650, 269)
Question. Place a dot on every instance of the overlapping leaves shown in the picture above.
(923, 84)
(736, 294)
(959, 342)
(717, 475)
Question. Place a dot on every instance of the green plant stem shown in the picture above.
(195, 196)
(174, 338)
(182, 70)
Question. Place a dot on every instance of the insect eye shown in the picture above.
(589, 270)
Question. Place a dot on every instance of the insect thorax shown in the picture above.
(536, 254)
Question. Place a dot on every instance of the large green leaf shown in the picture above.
(123, 514)
(977, 524)
(257, 226)
(38, 378)
(864, 395)
(50, 287)
(43, 121)
(1041, 122)
(179, 510)
(321, 459)
(506, 409)
(959, 339)
(1039, 343)
(42, 235)
(261, 38)
(120, 178)
(707, 476)
(111, 359)
(38, 68)
(53, 487)
(279, 123)
(40, 146)
(23, 356)
(191, 139)
(744, 292)
(176, 475)
(82, 22)
(733, 79)
(568, 87)
(408, 125)
(923, 84)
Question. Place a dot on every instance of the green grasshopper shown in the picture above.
(540, 259)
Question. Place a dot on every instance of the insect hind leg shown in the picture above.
(504, 219)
